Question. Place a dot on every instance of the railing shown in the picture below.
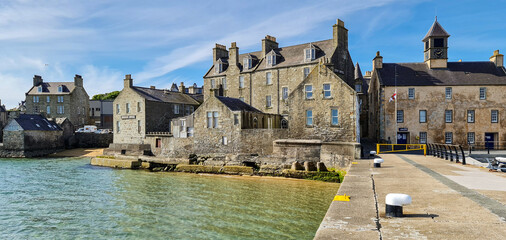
(447, 151)
(488, 146)
(159, 133)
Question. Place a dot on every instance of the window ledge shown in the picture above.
(268, 84)
(268, 107)
(328, 98)
(311, 99)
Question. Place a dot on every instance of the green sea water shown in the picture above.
(67, 198)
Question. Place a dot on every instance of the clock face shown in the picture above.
(438, 53)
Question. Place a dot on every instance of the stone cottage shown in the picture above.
(437, 101)
(59, 100)
(140, 111)
(30, 135)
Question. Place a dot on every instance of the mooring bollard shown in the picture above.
(378, 162)
(394, 203)
(372, 153)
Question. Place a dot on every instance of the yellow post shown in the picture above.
(424, 150)
(377, 148)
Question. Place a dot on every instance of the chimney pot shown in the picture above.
(152, 87)
(497, 59)
(128, 81)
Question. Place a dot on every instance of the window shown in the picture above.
(60, 109)
(139, 126)
(35, 99)
(335, 116)
(470, 137)
(118, 110)
(176, 108)
(138, 106)
(118, 126)
(268, 102)
(236, 119)
(309, 91)
(268, 78)
(127, 108)
(306, 72)
(48, 99)
(470, 116)
(411, 93)
(494, 116)
(400, 116)
(158, 143)
(215, 119)
(209, 119)
(219, 67)
(187, 110)
(448, 116)
(483, 93)
(224, 82)
(60, 88)
(423, 137)
(448, 93)
(48, 109)
(284, 93)
(39, 89)
(448, 137)
(423, 116)
(241, 98)
(241, 81)
(439, 42)
(213, 84)
(247, 63)
(224, 140)
(60, 99)
(309, 117)
(271, 59)
(358, 87)
(326, 90)
(309, 53)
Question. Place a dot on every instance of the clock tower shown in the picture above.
(436, 46)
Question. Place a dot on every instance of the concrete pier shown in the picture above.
(450, 201)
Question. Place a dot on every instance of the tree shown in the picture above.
(106, 96)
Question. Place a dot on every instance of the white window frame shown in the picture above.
(48, 109)
(334, 115)
(424, 119)
(209, 119)
(471, 137)
(308, 92)
(309, 118)
(118, 109)
(118, 126)
(215, 119)
(268, 78)
(448, 116)
(247, 63)
(400, 116)
(494, 116)
(48, 99)
(268, 101)
(60, 88)
(224, 82)
(39, 89)
(176, 108)
(483, 93)
(448, 93)
(448, 137)
(327, 91)
(470, 116)
(284, 93)
(241, 82)
(423, 137)
(213, 84)
(411, 93)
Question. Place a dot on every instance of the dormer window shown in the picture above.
(248, 62)
(309, 53)
(60, 88)
(39, 89)
(271, 58)
(220, 66)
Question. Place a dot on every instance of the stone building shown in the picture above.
(59, 100)
(101, 113)
(438, 101)
(3, 119)
(32, 135)
(276, 80)
(139, 111)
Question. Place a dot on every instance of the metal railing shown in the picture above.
(447, 151)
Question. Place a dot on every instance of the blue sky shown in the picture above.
(160, 42)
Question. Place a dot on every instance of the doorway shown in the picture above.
(402, 137)
(490, 139)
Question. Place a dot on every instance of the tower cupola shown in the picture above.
(436, 46)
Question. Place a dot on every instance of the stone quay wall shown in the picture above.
(91, 140)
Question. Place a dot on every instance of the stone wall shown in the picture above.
(170, 146)
(129, 130)
(91, 140)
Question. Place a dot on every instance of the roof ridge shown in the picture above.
(297, 45)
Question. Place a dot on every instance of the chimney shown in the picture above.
(219, 51)
(497, 59)
(128, 82)
(191, 90)
(37, 80)
(152, 87)
(340, 35)
(233, 55)
(181, 87)
(367, 74)
(78, 80)
(377, 62)
(268, 43)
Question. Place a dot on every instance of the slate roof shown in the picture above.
(457, 73)
(36, 122)
(436, 30)
(235, 104)
(2, 108)
(50, 88)
(358, 72)
(158, 95)
(287, 56)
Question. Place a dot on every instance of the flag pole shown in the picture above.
(395, 99)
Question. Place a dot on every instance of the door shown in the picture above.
(489, 140)
(402, 138)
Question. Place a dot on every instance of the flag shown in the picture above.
(393, 97)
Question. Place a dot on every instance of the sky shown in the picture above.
(162, 42)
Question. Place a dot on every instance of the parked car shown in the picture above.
(87, 129)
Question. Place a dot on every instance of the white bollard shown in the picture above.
(378, 162)
(394, 203)
(372, 153)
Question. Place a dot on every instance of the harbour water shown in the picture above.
(67, 198)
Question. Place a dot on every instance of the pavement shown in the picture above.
(450, 201)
